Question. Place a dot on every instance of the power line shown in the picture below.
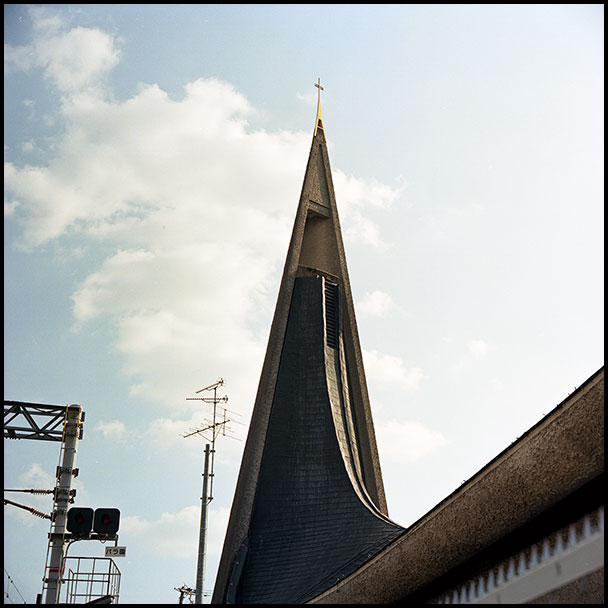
(32, 491)
(12, 582)
(33, 511)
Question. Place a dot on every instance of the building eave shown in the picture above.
(552, 460)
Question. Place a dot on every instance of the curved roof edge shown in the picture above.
(554, 458)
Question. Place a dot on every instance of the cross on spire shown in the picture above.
(319, 121)
(318, 85)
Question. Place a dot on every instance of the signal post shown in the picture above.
(63, 494)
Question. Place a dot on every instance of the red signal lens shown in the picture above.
(106, 521)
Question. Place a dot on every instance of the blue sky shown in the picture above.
(154, 156)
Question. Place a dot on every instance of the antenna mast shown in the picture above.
(212, 428)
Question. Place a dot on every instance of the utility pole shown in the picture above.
(213, 428)
(43, 422)
(63, 494)
(202, 537)
(183, 590)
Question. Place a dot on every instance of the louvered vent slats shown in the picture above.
(332, 314)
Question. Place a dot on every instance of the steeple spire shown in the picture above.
(309, 506)
(319, 121)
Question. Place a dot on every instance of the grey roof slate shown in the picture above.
(312, 525)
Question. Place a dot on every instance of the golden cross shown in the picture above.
(319, 119)
(318, 85)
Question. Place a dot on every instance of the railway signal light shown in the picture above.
(80, 521)
(106, 521)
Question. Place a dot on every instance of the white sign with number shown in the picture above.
(116, 551)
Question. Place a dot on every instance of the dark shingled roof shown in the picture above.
(312, 523)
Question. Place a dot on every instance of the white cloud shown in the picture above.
(466, 356)
(356, 193)
(174, 534)
(114, 430)
(28, 146)
(177, 534)
(78, 57)
(71, 59)
(168, 432)
(376, 304)
(192, 204)
(44, 20)
(9, 208)
(308, 98)
(478, 348)
(155, 176)
(356, 197)
(407, 442)
(152, 170)
(390, 370)
(37, 477)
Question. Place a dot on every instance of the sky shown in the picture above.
(153, 161)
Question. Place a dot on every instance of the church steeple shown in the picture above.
(309, 505)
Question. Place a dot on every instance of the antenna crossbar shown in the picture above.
(211, 386)
(208, 399)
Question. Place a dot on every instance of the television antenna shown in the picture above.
(209, 430)
(184, 591)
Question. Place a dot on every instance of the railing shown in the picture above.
(90, 578)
